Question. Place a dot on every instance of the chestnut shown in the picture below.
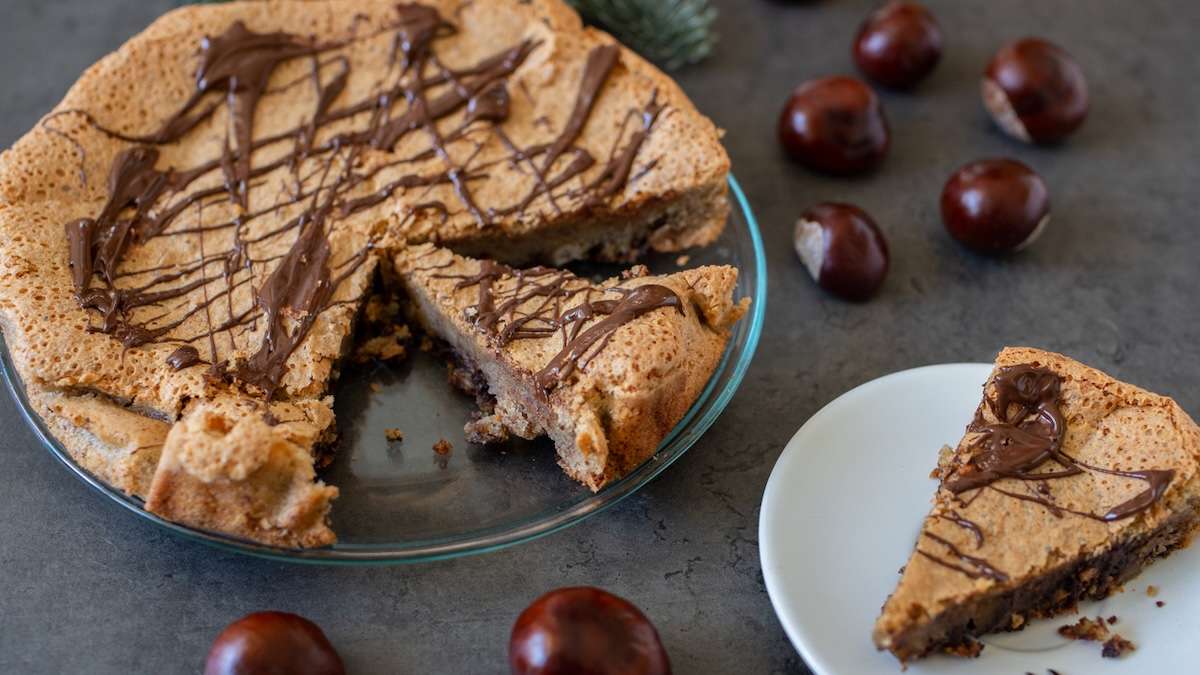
(585, 631)
(898, 44)
(835, 124)
(1035, 91)
(273, 642)
(843, 249)
(995, 206)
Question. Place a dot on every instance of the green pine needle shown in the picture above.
(672, 33)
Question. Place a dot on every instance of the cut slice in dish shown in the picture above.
(606, 370)
(1066, 484)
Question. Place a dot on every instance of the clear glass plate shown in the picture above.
(402, 502)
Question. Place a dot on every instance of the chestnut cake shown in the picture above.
(542, 340)
(190, 236)
(1066, 484)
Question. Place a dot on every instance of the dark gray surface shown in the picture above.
(89, 588)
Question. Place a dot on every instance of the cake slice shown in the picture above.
(1066, 484)
(606, 370)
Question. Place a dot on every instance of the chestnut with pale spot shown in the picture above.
(995, 206)
(843, 249)
(1035, 91)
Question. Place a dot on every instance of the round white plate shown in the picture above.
(840, 515)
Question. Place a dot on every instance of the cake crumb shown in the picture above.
(968, 650)
(683, 260)
(1112, 620)
(1116, 647)
(1152, 591)
(393, 434)
(443, 447)
(1159, 603)
(1093, 630)
(382, 348)
(635, 272)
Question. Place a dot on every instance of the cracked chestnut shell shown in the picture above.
(273, 642)
(585, 631)
(843, 249)
(1035, 91)
(995, 206)
(836, 125)
(898, 44)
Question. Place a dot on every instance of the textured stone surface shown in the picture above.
(89, 588)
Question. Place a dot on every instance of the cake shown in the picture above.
(1066, 484)
(190, 236)
(605, 370)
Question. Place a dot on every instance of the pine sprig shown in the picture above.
(672, 33)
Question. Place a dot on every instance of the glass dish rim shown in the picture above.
(713, 403)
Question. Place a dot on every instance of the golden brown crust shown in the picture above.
(1109, 424)
(118, 446)
(609, 415)
(229, 466)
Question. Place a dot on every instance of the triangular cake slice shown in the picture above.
(606, 370)
(1066, 484)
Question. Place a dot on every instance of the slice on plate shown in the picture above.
(1066, 484)
(606, 370)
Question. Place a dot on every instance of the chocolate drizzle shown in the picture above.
(966, 524)
(1027, 435)
(971, 566)
(288, 290)
(633, 303)
(184, 357)
(534, 305)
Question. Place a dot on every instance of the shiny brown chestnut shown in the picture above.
(898, 44)
(843, 249)
(995, 206)
(1035, 91)
(585, 631)
(273, 642)
(835, 124)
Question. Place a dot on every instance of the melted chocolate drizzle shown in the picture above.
(1027, 434)
(971, 566)
(535, 306)
(418, 91)
(966, 524)
(184, 357)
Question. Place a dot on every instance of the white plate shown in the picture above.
(841, 513)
